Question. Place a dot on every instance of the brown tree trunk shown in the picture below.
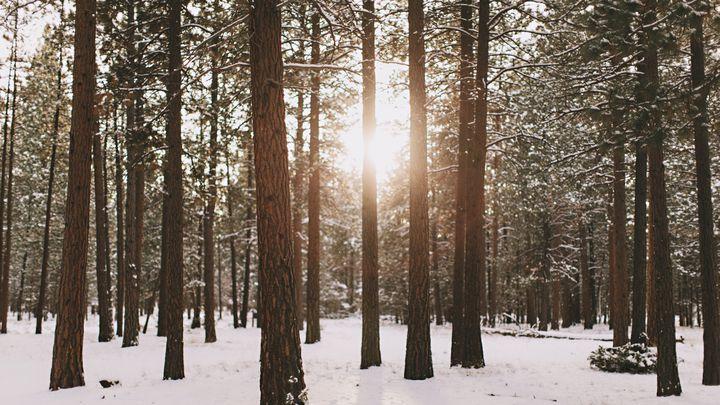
(135, 193)
(174, 368)
(249, 215)
(465, 133)
(620, 276)
(475, 249)
(495, 241)
(281, 373)
(708, 259)
(197, 290)
(67, 362)
(668, 382)
(435, 254)
(418, 359)
(586, 277)
(639, 298)
(298, 179)
(102, 271)
(5, 249)
(119, 238)
(11, 81)
(209, 214)
(312, 334)
(164, 248)
(370, 347)
(233, 252)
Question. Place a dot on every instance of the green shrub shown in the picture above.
(633, 358)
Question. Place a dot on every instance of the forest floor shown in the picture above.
(519, 370)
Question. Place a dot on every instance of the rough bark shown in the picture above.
(418, 359)
(281, 373)
(708, 259)
(465, 129)
(174, 368)
(668, 382)
(475, 249)
(67, 360)
(370, 347)
(639, 246)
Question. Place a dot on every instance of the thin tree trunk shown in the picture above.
(281, 374)
(297, 185)
(4, 248)
(298, 179)
(495, 240)
(67, 361)
(233, 252)
(105, 332)
(437, 299)
(639, 298)
(42, 295)
(164, 248)
(249, 214)
(312, 334)
(119, 238)
(586, 276)
(19, 302)
(209, 214)
(174, 368)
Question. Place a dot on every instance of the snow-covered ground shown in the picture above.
(519, 370)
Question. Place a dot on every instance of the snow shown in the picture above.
(519, 370)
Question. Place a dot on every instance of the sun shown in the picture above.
(391, 134)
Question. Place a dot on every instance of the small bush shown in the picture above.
(631, 358)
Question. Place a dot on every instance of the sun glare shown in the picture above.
(391, 134)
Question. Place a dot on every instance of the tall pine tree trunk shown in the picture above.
(174, 368)
(668, 382)
(475, 249)
(464, 134)
(67, 360)
(370, 347)
(708, 259)
(312, 334)
(281, 373)
(418, 359)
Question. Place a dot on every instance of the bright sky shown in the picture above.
(391, 136)
(392, 109)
